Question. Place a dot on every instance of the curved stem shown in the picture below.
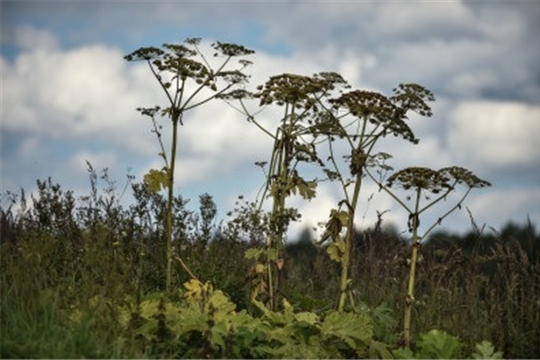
(451, 210)
(158, 77)
(333, 159)
(388, 191)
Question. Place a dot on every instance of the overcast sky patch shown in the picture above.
(69, 96)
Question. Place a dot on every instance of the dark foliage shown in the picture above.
(482, 285)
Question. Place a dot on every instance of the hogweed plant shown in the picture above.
(422, 183)
(360, 119)
(189, 81)
(300, 98)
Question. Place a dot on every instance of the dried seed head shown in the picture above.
(377, 109)
(358, 161)
(177, 59)
(181, 51)
(413, 97)
(435, 181)
(231, 49)
(145, 53)
(420, 178)
(464, 176)
(233, 77)
(297, 89)
(287, 88)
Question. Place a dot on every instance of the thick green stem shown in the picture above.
(170, 200)
(409, 301)
(349, 238)
(344, 279)
(278, 209)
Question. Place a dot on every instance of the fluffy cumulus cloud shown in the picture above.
(495, 133)
(496, 208)
(77, 93)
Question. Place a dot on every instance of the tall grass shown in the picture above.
(35, 325)
(475, 286)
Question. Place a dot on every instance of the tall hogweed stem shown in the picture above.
(361, 119)
(422, 181)
(188, 81)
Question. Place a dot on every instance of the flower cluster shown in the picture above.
(435, 181)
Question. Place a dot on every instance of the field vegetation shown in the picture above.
(89, 276)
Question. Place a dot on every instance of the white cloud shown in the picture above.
(29, 38)
(193, 169)
(80, 93)
(314, 211)
(496, 208)
(471, 83)
(30, 148)
(104, 159)
(429, 152)
(397, 18)
(495, 133)
(221, 132)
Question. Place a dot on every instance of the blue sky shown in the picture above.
(68, 96)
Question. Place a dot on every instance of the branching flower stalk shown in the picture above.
(177, 68)
(301, 98)
(374, 116)
(421, 180)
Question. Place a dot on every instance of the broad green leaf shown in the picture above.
(403, 353)
(218, 332)
(379, 350)
(308, 317)
(333, 252)
(156, 180)
(438, 344)
(486, 350)
(307, 189)
(194, 320)
(223, 310)
(343, 216)
(267, 313)
(336, 249)
(194, 289)
(354, 329)
(260, 268)
(248, 328)
(272, 254)
(149, 308)
(288, 311)
(148, 330)
(253, 253)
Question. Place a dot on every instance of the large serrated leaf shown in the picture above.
(156, 180)
(195, 290)
(354, 329)
(333, 252)
(253, 253)
(194, 320)
(308, 317)
(336, 249)
(218, 333)
(438, 344)
(306, 189)
(343, 216)
(486, 350)
(223, 309)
